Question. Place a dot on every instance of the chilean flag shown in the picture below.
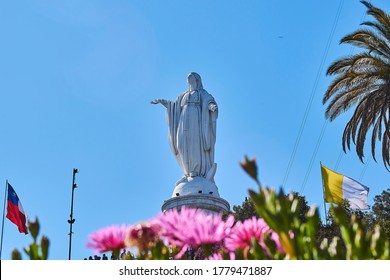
(15, 212)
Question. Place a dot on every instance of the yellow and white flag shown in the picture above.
(339, 187)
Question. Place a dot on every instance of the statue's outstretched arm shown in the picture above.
(161, 101)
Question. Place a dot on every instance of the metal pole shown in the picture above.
(324, 196)
(72, 220)
(326, 216)
(2, 224)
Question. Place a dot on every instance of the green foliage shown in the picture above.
(361, 244)
(35, 251)
(281, 213)
(379, 215)
(244, 211)
(158, 252)
(296, 232)
(247, 209)
(381, 211)
(299, 239)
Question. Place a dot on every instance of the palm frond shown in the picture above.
(368, 40)
(382, 29)
(356, 62)
(345, 100)
(363, 80)
(381, 16)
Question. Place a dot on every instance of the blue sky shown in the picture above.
(76, 79)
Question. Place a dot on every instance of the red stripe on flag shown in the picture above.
(17, 217)
(15, 212)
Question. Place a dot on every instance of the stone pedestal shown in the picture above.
(208, 203)
(197, 192)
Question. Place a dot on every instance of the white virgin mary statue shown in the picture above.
(192, 130)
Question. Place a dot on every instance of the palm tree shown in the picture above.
(364, 80)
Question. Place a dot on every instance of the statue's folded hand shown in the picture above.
(213, 107)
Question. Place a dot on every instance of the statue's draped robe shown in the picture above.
(192, 132)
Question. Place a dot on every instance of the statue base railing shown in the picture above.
(208, 203)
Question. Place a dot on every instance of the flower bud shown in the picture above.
(16, 255)
(250, 167)
(45, 247)
(33, 228)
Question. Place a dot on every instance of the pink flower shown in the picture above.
(110, 238)
(143, 235)
(275, 238)
(253, 228)
(192, 228)
(216, 257)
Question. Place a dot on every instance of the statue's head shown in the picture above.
(195, 79)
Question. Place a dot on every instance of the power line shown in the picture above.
(303, 123)
(314, 156)
(321, 137)
(364, 171)
(338, 160)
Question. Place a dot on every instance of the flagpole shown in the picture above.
(326, 217)
(2, 223)
(323, 193)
